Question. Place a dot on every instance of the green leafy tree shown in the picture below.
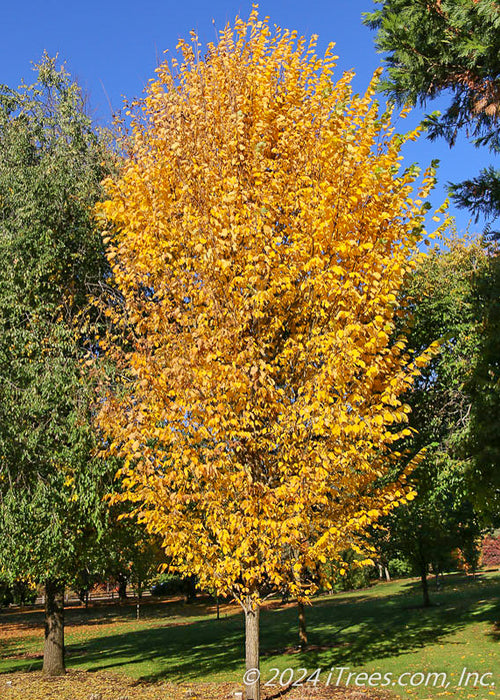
(126, 555)
(483, 440)
(441, 295)
(450, 47)
(51, 510)
(441, 519)
(129, 555)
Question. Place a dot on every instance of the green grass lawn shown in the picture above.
(378, 630)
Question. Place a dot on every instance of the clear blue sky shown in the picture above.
(113, 47)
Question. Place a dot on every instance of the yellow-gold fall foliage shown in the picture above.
(259, 234)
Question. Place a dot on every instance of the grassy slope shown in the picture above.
(381, 629)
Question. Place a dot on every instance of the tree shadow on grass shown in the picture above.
(343, 630)
(183, 652)
(174, 653)
(376, 628)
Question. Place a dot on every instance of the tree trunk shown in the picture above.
(425, 587)
(302, 627)
(438, 579)
(252, 649)
(53, 652)
(387, 574)
(122, 587)
(190, 589)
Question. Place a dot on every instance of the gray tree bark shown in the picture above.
(252, 611)
(53, 651)
(302, 627)
(425, 586)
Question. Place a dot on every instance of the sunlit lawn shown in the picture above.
(378, 630)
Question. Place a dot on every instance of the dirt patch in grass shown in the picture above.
(84, 685)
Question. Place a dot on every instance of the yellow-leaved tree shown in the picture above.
(258, 235)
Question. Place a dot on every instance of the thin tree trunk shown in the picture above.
(122, 587)
(190, 589)
(53, 652)
(387, 574)
(302, 627)
(252, 649)
(425, 586)
(438, 582)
